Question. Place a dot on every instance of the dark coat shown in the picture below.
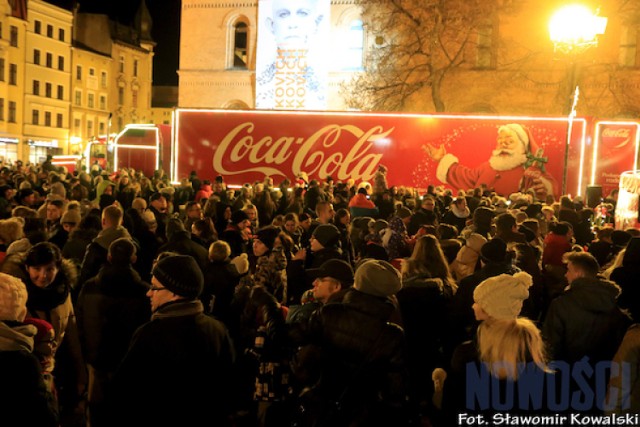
(361, 358)
(77, 243)
(627, 277)
(233, 236)
(585, 321)
(179, 364)
(220, 281)
(181, 243)
(96, 255)
(24, 399)
(111, 306)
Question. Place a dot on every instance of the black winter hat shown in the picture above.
(180, 274)
(495, 250)
(267, 235)
(238, 216)
(327, 235)
(334, 268)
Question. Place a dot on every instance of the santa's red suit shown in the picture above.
(502, 182)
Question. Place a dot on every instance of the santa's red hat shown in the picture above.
(523, 134)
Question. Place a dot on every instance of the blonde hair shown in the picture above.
(505, 344)
(219, 251)
(428, 258)
(11, 230)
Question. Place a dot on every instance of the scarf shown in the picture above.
(48, 298)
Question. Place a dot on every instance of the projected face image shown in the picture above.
(293, 22)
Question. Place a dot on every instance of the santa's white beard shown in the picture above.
(501, 162)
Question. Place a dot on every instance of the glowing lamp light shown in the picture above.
(575, 26)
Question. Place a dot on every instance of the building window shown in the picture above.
(12, 111)
(90, 127)
(78, 72)
(92, 71)
(60, 92)
(103, 102)
(240, 45)
(61, 63)
(103, 79)
(78, 98)
(35, 117)
(47, 90)
(61, 34)
(36, 87)
(13, 36)
(1, 69)
(135, 68)
(76, 125)
(101, 128)
(121, 63)
(120, 96)
(59, 120)
(37, 27)
(485, 47)
(2, 109)
(90, 100)
(36, 56)
(49, 60)
(47, 118)
(628, 54)
(50, 31)
(134, 98)
(13, 74)
(353, 47)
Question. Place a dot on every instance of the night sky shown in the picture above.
(165, 31)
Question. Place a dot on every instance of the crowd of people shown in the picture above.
(125, 299)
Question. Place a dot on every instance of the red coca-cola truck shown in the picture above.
(245, 146)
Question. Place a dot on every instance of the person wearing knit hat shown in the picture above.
(182, 356)
(70, 220)
(494, 251)
(504, 169)
(175, 277)
(377, 278)
(270, 263)
(235, 234)
(25, 399)
(325, 236)
(266, 237)
(501, 297)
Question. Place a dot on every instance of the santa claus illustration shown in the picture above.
(513, 166)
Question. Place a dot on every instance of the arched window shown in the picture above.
(352, 47)
(240, 45)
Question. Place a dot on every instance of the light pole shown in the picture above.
(573, 30)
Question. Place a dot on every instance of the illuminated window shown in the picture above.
(484, 58)
(240, 31)
(628, 53)
(12, 111)
(13, 74)
(352, 47)
(13, 36)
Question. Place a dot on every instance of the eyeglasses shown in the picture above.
(158, 288)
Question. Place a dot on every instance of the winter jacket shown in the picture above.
(271, 273)
(178, 363)
(555, 246)
(628, 352)
(585, 321)
(361, 201)
(397, 246)
(77, 243)
(204, 193)
(181, 243)
(468, 256)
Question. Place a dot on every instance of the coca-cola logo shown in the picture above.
(618, 133)
(320, 154)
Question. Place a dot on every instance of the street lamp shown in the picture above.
(574, 29)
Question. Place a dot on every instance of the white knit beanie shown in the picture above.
(13, 298)
(501, 296)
